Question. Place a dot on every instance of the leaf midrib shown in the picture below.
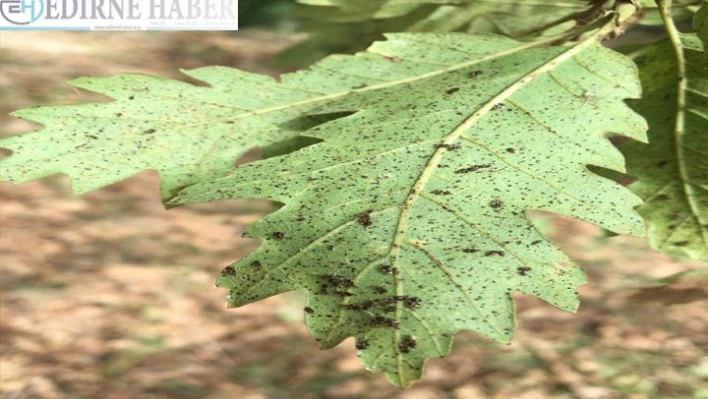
(436, 158)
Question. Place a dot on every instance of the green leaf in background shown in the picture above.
(506, 17)
(188, 133)
(408, 222)
(672, 170)
(700, 23)
(682, 10)
(344, 26)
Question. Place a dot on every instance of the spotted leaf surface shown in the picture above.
(186, 132)
(408, 221)
(672, 170)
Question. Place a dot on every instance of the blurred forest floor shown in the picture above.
(110, 297)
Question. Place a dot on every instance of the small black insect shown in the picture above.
(256, 264)
(490, 253)
(470, 250)
(474, 74)
(278, 235)
(523, 270)
(229, 271)
(412, 302)
(441, 192)
(496, 204)
(388, 269)
(452, 90)
(498, 106)
(510, 150)
(361, 344)
(380, 290)
(473, 168)
(309, 310)
(380, 321)
(451, 147)
(338, 281)
(365, 219)
(407, 344)
(536, 242)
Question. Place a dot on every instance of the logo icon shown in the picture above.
(21, 12)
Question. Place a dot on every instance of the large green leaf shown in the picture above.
(186, 132)
(408, 222)
(673, 169)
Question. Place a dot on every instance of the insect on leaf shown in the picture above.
(408, 222)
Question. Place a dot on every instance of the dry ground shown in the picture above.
(109, 296)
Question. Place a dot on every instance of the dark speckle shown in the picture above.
(452, 90)
(441, 192)
(510, 150)
(681, 243)
(361, 344)
(470, 250)
(474, 74)
(256, 264)
(523, 270)
(490, 253)
(309, 310)
(498, 106)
